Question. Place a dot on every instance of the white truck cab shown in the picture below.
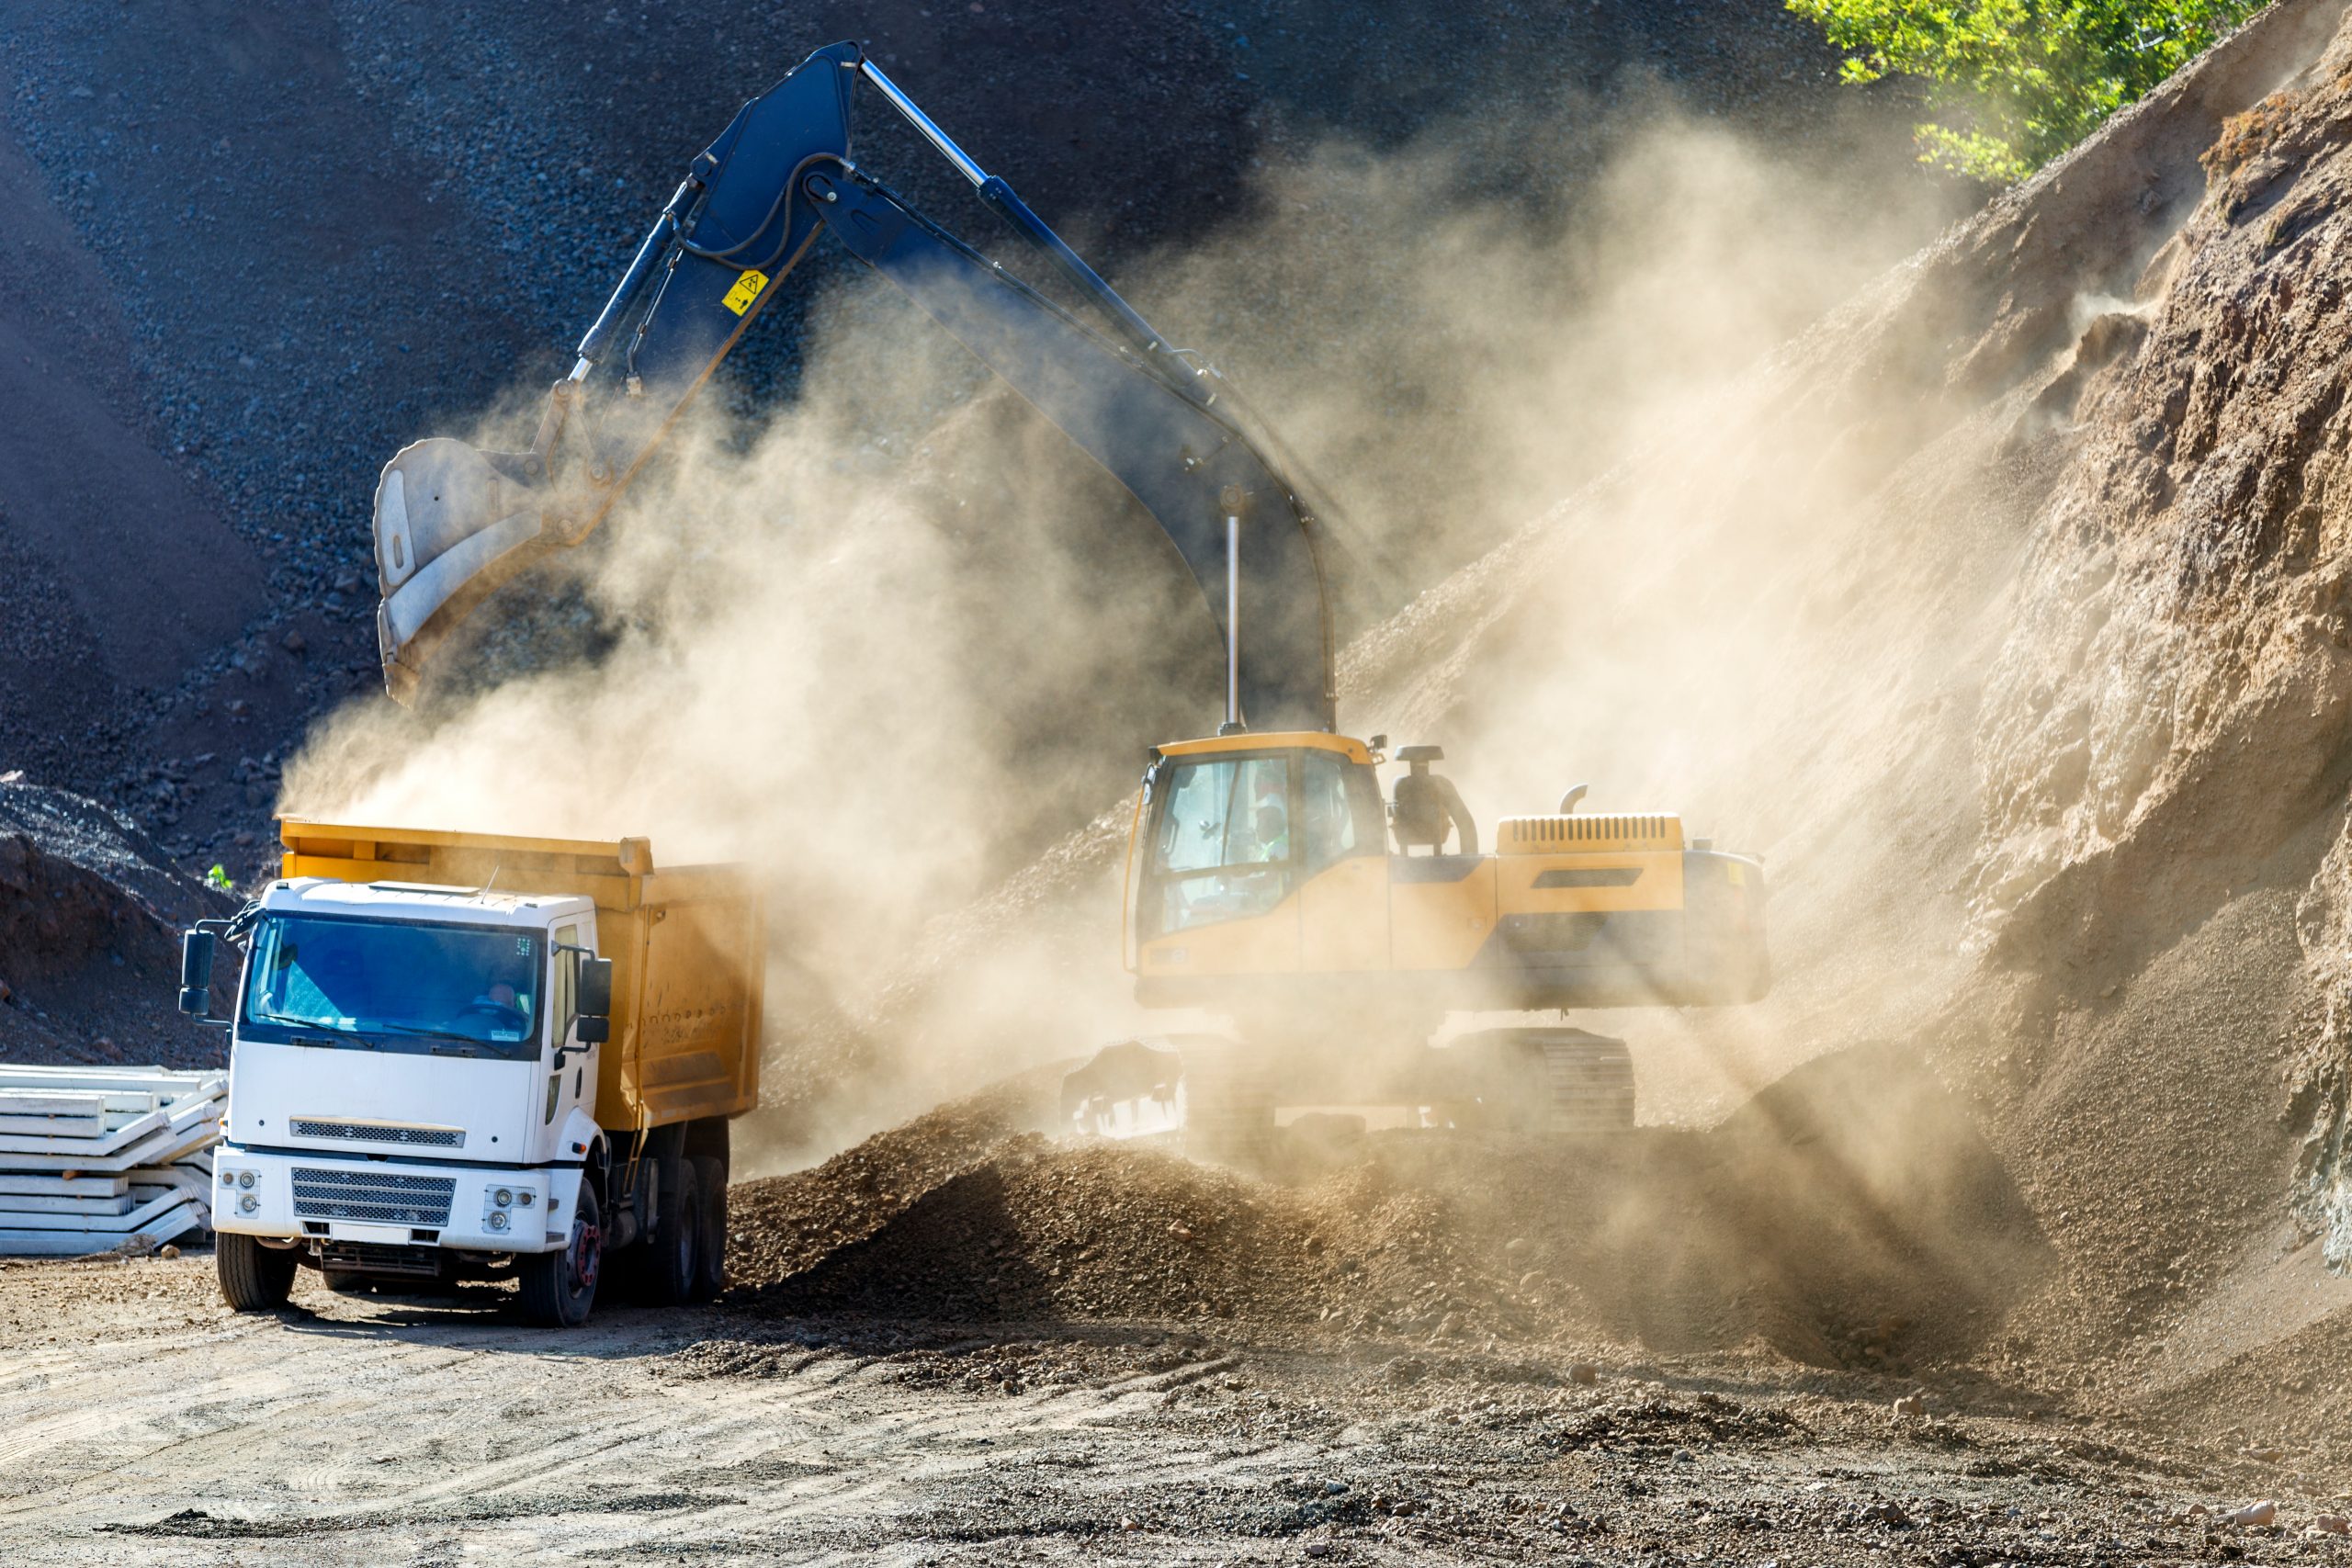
(406, 1070)
(437, 1070)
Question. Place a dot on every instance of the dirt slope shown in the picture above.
(2003, 611)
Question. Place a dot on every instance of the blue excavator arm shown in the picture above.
(453, 524)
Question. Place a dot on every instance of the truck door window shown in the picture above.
(562, 975)
(564, 972)
(1222, 850)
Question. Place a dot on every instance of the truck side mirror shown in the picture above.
(595, 992)
(593, 1028)
(195, 973)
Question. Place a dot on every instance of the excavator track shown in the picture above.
(1216, 1098)
(1229, 1105)
(1588, 1080)
(1565, 1083)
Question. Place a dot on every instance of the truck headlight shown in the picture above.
(246, 1203)
(504, 1197)
(245, 1179)
(497, 1221)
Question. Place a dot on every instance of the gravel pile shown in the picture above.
(963, 1214)
(1793, 1223)
(90, 914)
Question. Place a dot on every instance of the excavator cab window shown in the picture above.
(1222, 847)
(1339, 812)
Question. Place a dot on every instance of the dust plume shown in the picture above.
(888, 642)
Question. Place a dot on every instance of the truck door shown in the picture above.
(570, 1076)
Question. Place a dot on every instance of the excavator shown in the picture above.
(1271, 884)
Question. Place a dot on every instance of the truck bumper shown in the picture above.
(312, 1197)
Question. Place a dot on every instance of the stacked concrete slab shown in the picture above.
(101, 1160)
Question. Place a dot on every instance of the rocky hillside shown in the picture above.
(2004, 612)
(256, 249)
(90, 915)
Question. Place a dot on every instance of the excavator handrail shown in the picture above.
(1127, 874)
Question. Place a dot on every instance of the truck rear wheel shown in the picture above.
(674, 1266)
(558, 1288)
(254, 1278)
(710, 1265)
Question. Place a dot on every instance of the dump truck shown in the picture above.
(1271, 885)
(466, 1056)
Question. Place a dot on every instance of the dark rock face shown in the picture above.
(90, 915)
(254, 254)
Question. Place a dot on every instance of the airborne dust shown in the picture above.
(887, 642)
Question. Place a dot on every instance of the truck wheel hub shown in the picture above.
(586, 1250)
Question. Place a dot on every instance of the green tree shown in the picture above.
(2012, 84)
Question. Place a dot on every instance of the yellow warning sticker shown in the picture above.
(747, 289)
(1739, 874)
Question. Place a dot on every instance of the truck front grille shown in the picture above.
(373, 1197)
(383, 1133)
(374, 1257)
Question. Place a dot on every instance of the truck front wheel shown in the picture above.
(558, 1288)
(254, 1278)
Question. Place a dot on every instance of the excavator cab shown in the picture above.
(1271, 886)
(1258, 854)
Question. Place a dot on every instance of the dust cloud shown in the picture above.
(889, 643)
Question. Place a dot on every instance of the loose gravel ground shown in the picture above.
(144, 1423)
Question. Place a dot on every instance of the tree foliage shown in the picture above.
(2012, 84)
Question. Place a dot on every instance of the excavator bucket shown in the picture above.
(452, 524)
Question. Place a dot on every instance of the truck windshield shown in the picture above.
(461, 990)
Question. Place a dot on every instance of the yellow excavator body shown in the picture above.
(1261, 864)
(1271, 884)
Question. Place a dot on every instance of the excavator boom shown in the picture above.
(453, 523)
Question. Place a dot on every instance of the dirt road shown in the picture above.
(141, 1422)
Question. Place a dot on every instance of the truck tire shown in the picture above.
(558, 1288)
(710, 1267)
(674, 1261)
(254, 1278)
(346, 1283)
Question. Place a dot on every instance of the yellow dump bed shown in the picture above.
(686, 946)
